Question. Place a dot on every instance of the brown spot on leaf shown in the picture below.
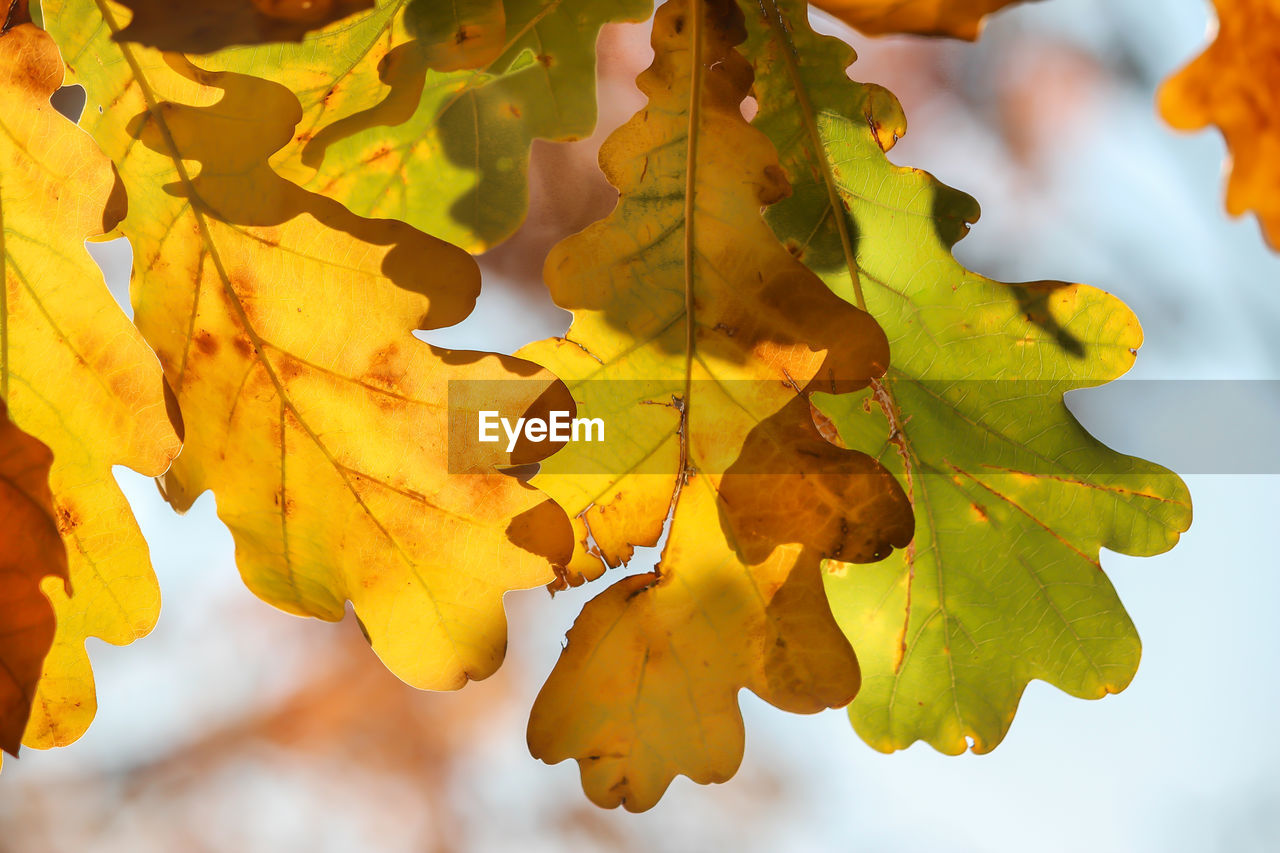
(288, 369)
(67, 516)
(385, 370)
(206, 343)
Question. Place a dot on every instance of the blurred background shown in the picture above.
(236, 727)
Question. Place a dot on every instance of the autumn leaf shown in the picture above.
(75, 374)
(956, 18)
(1233, 85)
(402, 118)
(203, 26)
(32, 550)
(284, 324)
(1013, 498)
(694, 338)
(461, 137)
(424, 111)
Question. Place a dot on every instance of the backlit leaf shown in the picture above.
(1233, 85)
(203, 26)
(955, 18)
(76, 375)
(30, 550)
(695, 336)
(284, 323)
(1013, 498)
(427, 116)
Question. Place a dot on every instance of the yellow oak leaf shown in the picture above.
(75, 374)
(696, 338)
(203, 26)
(285, 326)
(955, 18)
(30, 550)
(1233, 84)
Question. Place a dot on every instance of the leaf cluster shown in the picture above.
(853, 452)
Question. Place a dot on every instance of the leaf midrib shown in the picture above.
(690, 247)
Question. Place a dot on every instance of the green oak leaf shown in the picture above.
(419, 110)
(427, 116)
(1013, 498)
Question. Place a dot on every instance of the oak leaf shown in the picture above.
(30, 550)
(203, 26)
(696, 337)
(1013, 498)
(284, 324)
(1233, 84)
(75, 374)
(955, 18)
(424, 111)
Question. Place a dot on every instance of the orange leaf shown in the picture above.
(1233, 85)
(956, 18)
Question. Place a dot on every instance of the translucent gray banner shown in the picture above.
(634, 427)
